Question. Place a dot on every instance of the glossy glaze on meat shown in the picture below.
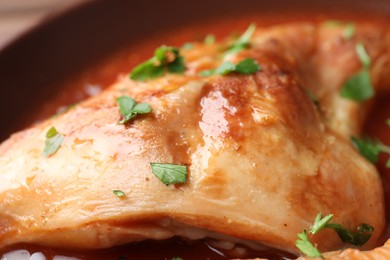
(263, 159)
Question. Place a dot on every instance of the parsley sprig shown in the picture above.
(119, 193)
(357, 238)
(166, 58)
(53, 142)
(169, 173)
(349, 27)
(359, 86)
(130, 109)
(246, 66)
(243, 42)
(371, 148)
(306, 247)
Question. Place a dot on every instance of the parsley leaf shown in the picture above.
(176, 258)
(388, 122)
(363, 55)
(349, 27)
(119, 193)
(242, 42)
(170, 173)
(349, 31)
(53, 141)
(225, 68)
(359, 86)
(357, 238)
(209, 39)
(306, 247)
(370, 148)
(320, 223)
(247, 66)
(187, 46)
(166, 58)
(130, 109)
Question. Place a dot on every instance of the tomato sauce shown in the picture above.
(103, 74)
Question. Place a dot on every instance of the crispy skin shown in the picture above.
(263, 160)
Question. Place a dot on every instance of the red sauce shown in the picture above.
(105, 73)
(153, 250)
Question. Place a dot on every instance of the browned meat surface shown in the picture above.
(263, 160)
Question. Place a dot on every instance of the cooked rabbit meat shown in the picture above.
(262, 159)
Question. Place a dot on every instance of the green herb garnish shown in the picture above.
(166, 58)
(243, 41)
(370, 148)
(349, 31)
(53, 141)
(187, 46)
(119, 193)
(332, 23)
(247, 66)
(357, 238)
(306, 247)
(359, 86)
(209, 39)
(320, 223)
(349, 28)
(363, 55)
(130, 109)
(388, 122)
(170, 173)
(176, 258)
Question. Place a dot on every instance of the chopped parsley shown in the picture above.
(176, 258)
(349, 31)
(119, 193)
(169, 173)
(357, 238)
(243, 41)
(332, 23)
(187, 46)
(247, 66)
(349, 28)
(359, 86)
(53, 142)
(130, 109)
(306, 247)
(209, 39)
(320, 223)
(166, 58)
(388, 122)
(363, 55)
(370, 148)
